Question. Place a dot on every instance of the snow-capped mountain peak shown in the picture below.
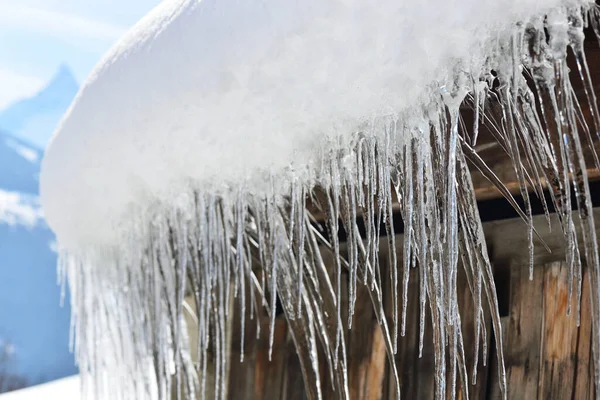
(62, 87)
(35, 118)
(29, 296)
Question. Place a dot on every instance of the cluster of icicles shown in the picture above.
(131, 337)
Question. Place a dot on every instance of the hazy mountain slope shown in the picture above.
(30, 316)
(19, 165)
(35, 118)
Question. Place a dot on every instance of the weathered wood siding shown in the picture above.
(547, 355)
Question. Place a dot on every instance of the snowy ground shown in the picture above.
(65, 389)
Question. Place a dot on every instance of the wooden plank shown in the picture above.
(522, 342)
(268, 378)
(467, 307)
(366, 351)
(242, 374)
(424, 384)
(327, 387)
(485, 191)
(293, 383)
(584, 373)
(547, 355)
(493, 387)
(559, 336)
(415, 374)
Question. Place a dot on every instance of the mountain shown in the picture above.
(33, 326)
(34, 119)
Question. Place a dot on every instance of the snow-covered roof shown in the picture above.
(223, 93)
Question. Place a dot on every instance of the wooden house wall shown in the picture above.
(547, 355)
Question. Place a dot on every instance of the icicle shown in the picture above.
(407, 216)
(301, 238)
(352, 237)
(333, 216)
(424, 259)
(273, 245)
(388, 217)
(216, 252)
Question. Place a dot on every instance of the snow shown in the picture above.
(221, 94)
(191, 150)
(63, 389)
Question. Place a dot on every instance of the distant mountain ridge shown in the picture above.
(19, 165)
(31, 319)
(34, 119)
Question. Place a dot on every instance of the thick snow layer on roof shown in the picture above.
(221, 94)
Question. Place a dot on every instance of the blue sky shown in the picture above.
(36, 36)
